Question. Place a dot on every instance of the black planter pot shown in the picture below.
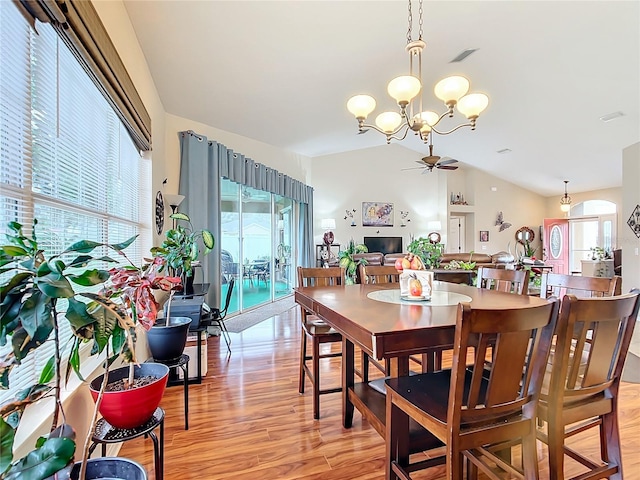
(187, 283)
(111, 468)
(167, 342)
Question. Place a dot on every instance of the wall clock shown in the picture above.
(159, 213)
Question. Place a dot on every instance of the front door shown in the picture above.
(555, 244)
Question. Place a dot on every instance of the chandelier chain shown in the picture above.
(420, 20)
(410, 22)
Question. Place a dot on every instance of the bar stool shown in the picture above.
(105, 433)
(181, 362)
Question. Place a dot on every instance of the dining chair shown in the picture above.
(218, 315)
(476, 413)
(503, 280)
(318, 332)
(559, 285)
(376, 274)
(581, 386)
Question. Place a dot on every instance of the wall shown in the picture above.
(343, 181)
(631, 197)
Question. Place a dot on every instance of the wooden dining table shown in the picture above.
(379, 321)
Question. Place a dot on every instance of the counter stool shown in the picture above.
(105, 433)
(183, 363)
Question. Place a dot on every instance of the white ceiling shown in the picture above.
(282, 71)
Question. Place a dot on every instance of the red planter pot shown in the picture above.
(131, 408)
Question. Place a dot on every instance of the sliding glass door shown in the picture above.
(257, 242)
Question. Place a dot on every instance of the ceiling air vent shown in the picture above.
(464, 54)
(611, 116)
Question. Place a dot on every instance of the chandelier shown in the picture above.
(565, 201)
(407, 92)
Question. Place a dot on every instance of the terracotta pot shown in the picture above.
(167, 342)
(111, 468)
(131, 408)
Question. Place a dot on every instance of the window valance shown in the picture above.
(79, 25)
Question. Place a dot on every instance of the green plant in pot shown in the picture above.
(429, 252)
(181, 248)
(348, 262)
(35, 291)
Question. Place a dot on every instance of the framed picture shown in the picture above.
(484, 235)
(377, 214)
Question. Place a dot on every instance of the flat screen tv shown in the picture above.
(384, 244)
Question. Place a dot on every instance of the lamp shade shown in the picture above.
(451, 89)
(434, 225)
(565, 207)
(361, 105)
(404, 88)
(174, 201)
(328, 223)
(388, 121)
(473, 104)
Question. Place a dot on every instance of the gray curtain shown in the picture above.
(202, 163)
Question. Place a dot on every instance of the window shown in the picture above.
(65, 157)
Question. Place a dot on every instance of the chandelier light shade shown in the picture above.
(407, 91)
(565, 200)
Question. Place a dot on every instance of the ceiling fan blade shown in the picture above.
(446, 167)
(420, 162)
(412, 168)
(425, 170)
(447, 160)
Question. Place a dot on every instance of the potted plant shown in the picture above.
(348, 262)
(29, 317)
(167, 338)
(181, 248)
(428, 251)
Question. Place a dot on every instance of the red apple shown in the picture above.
(398, 264)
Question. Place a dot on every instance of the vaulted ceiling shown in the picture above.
(282, 71)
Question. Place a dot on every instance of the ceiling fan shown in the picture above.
(432, 161)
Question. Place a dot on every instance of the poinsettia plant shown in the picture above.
(31, 289)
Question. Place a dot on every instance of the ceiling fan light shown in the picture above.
(388, 121)
(472, 105)
(404, 89)
(361, 105)
(451, 89)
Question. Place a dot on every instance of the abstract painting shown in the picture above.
(377, 214)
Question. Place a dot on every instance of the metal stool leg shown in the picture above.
(185, 376)
(156, 456)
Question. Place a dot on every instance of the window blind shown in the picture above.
(65, 157)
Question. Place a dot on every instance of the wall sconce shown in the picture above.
(328, 224)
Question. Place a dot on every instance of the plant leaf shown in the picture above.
(180, 216)
(43, 462)
(121, 246)
(207, 239)
(13, 251)
(83, 246)
(55, 285)
(7, 435)
(48, 370)
(90, 277)
(36, 314)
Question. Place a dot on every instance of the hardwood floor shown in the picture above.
(247, 420)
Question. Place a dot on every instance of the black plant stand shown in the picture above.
(105, 433)
(183, 363)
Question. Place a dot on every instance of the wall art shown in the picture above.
(634, 221)
(377, 214)
(484, 235)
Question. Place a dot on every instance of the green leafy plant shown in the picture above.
(181, 246)
(599, 253)
(349, 264)
(30, 292)
(461, 265)
(430, 253)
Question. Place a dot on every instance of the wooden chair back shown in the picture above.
(559, 285)
(379, 274)
(520, 342)
(320, 277)
(581, 386)
(502, 280)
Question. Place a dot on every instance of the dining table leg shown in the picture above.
(348, 381)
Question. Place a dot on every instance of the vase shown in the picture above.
(115, 468)
(187, 283)
(133, 407)
(167, 342)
